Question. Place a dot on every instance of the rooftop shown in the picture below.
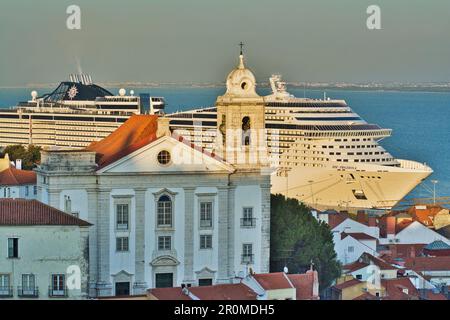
(21, 212)
(136, 132)
(273, 281)
(238, 291)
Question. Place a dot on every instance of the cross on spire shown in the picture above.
(241, 44)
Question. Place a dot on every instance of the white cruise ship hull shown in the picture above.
(350, 187)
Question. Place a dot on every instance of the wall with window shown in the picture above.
(22, 191)
(37, 261)
(247, 228)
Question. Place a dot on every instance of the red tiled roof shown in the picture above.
(169, 294)
(16, 177)
(366, 296)
(136, 132)
(357, 265)
(238, 291)
(357, 236)
(304, 284)
(347, 284)
(430, 295)
(273, 281)
(21, 212)
(439, 263)
(383, 265)
(394, 289)
(424, 216)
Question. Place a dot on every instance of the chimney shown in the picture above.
(390, 226)
(361, 216)
(19, 164)
(163, 127)
(315, 291)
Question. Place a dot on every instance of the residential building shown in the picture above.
(14, 182)
(165, 212)
(45, 252)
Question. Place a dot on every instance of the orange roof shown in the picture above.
(168, 294)
(273, 281)
(395, 289)
(383, 265)
(136, 132)
(21, 212)
(304, 284)
(16, 177)
(430, 295)
(357, 265)
(238, 291)
(347, 284)
(438, 263)
(424, 214)
(366, 296)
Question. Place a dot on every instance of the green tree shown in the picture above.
(297, 239)
(30, 156)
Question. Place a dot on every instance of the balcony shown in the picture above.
(247, 259)
(28, 292)
(248, 222)
(58, 292)
(6, 292)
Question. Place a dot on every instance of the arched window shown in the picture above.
(164, 211)
(246, 131)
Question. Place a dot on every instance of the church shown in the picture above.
(164, 211)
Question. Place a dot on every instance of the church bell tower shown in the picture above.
(241, 120)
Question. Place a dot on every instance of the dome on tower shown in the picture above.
(241, 82)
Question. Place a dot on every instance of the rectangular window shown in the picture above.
(247, 253)
(35, 190)
(164, 243)
(351, 249)
(164, 213)
(58, 286)
(5, 286)
(204, 282)
(28, 288)
(206, 241)
(27, 192)
(247, 218)
(122, 244)
(122, 216)
(206, 214)
(13, 248)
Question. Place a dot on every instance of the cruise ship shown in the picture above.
(325, 154)
(75, 114)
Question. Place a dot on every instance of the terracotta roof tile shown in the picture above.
(399, 289)
(273, 281)
(357, 265)
(21, 212)
(16, 177)
(439, 263)
(169, 294)
(304, 284)
(347, 284)
(135, 133)
(238, 291)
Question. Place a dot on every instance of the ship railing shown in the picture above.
(413, 165)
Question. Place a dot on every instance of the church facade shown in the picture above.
(165, 212)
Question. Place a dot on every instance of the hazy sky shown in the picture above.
(196, 40)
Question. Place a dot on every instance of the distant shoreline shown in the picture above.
(438, 87)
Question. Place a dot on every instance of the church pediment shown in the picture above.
(167, 155)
